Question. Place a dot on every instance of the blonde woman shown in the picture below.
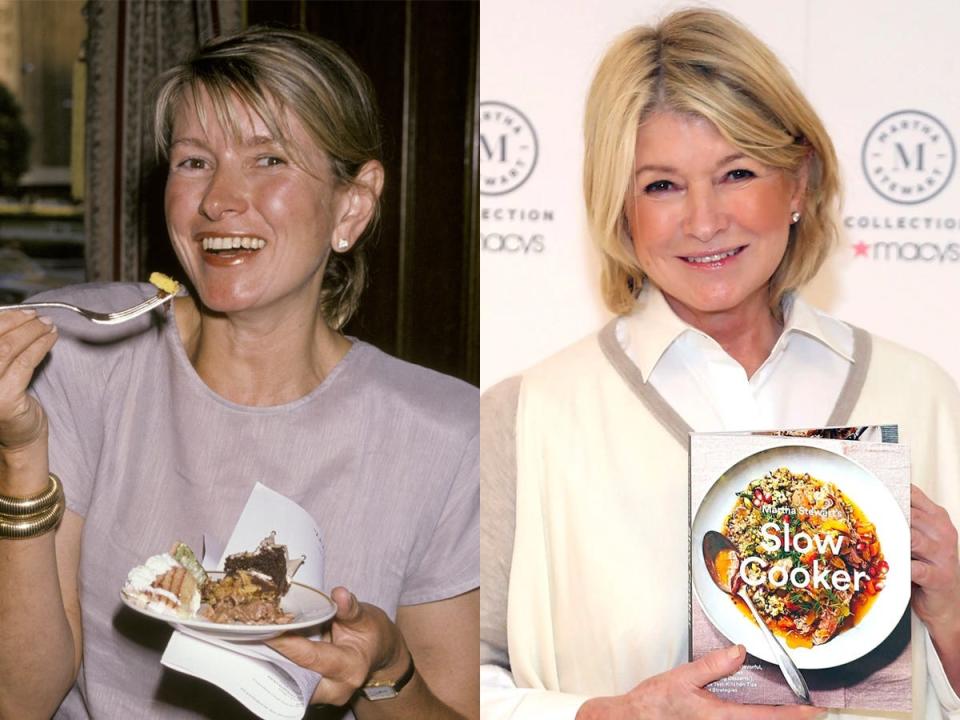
(711, 190)
(160, 429)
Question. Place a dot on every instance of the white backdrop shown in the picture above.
(884, 76)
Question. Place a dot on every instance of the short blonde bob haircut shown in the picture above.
(703, 63)
(271, 70)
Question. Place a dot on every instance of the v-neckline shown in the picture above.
(680, 429)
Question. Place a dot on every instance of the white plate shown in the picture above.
(860, 486)
(308, 605)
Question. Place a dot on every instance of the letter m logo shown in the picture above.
(495, 150)
(904, 160)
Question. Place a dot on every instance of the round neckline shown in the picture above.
(357, 347)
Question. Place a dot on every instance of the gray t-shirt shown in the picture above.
(383, 454)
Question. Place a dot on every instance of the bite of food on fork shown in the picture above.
(164, 283)
(167, 289)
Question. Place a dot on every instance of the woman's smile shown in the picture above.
(252, 225)
(224, 245)
(230, 250)
(713, 260)
(708, 224)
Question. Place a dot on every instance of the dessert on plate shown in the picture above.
(168, 583)
(248, 592)
(251, 588)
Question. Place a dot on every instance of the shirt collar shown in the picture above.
(652, 327)
(800, 317)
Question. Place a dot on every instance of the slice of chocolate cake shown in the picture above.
(252, 586)
(268, 562)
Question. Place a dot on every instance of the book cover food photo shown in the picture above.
(800, 551)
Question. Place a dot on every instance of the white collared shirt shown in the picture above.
(795, 387)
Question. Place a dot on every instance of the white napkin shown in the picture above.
(265, 682)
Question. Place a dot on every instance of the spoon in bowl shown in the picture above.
(723, 563)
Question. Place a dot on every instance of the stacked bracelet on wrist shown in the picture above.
(34, 515)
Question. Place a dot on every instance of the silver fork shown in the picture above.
(100, 318)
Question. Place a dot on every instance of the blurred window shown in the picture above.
(41, 211)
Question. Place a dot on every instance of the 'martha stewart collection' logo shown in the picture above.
(908, 157)
(508, 148)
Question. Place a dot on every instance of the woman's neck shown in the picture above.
(257, 360)
(746, 333)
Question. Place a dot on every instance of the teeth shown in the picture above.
(712, 258)
(233, 243)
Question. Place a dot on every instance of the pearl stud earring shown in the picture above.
(342, 244)
(794, 217)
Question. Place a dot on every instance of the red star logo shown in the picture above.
(860, 249)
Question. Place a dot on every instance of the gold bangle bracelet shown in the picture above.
(35, 503)
(33, 526)
(34, 515)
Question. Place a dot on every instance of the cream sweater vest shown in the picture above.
(598, 592)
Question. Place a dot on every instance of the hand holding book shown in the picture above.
(679, 693)
(361, 641)
(935, 573)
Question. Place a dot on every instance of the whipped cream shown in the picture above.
(139, 586)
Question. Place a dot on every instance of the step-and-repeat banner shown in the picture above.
(882, 74)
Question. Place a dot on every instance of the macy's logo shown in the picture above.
(907, 251)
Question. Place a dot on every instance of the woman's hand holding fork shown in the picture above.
(25, 339)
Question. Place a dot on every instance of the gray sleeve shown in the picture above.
(448, 567)
(498, 486)
(86, 369)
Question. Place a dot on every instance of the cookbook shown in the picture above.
(808, 533)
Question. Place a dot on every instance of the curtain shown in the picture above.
(129, 44)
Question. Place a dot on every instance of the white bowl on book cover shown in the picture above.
(864, 489)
